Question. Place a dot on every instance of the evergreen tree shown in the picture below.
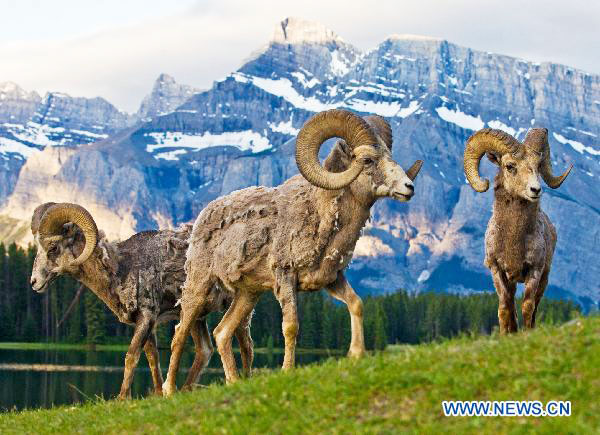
(30, 330)
(380, 337)
(94, 319)
(308, 329)
(328, 326)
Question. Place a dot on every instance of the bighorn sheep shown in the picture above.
(139, 279)
(520, 239)
(298, 236)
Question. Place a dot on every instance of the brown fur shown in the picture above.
(295, 237)
(140, 280)
(520, 239)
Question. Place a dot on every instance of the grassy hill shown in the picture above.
(399, 390)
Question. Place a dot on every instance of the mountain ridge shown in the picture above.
(241, 132)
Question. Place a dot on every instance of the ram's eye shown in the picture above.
(53, 249)
(511, 168)
(368, 161)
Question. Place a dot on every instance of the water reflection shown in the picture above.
(43, 378)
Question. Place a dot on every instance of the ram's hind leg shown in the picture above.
(242, 333)
(192, 302)
(243, 303)
(539, 294)
(341, 290)
(204, 350)
(152, 356)
(528, 306)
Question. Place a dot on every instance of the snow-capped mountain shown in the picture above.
(165, 97)
(16, 105)
(29, 124)
(241, 132)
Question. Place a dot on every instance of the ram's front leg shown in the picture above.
(143, 328)
(507, 316)
(285, 292)
(343, 291)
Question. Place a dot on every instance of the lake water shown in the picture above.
(44, 378)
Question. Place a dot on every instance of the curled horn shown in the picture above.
(333, 123)
(381, 127)
(57, 215)
(537, 140)
(37, 216)
(485, 140)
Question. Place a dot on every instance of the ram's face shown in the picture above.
(53, 257)
(385, 177)
(520, 175)
(380, 177)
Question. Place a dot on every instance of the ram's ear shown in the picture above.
(339, 158)
(494, 158)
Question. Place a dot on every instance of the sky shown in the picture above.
(117, 48)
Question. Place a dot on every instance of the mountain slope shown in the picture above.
(435, 94)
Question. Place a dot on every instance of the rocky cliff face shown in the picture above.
(435, 94)
(29, 124)
(16, 105)
(165, 97)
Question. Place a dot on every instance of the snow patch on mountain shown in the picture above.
(170, 155)
(499, 125)
(339, 64)
(459, 118)
(577, 146)
(284, 127)
(247, 140)
(383, 108)
(13, 146)
(283, 88)
(39, 134)
(303, 81)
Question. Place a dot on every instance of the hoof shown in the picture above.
(232, 380)
(122, 396)
(167, 390)
(189, 387)
(356, 353)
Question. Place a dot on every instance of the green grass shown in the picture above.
(399, 390)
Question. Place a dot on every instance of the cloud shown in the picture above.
(210, 39)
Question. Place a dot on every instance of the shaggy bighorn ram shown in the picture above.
(520, 239)
(298, 236)
(139, 279)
